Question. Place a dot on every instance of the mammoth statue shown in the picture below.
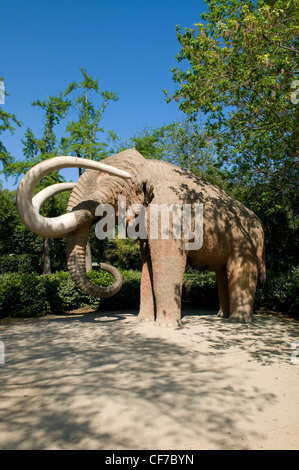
(223, 236)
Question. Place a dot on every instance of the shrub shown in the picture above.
(62, 291)
(68, 294)
(30, 295)
(23, 295)
(280, 292)
(49, 286)
(25, 263)
(200, 290)
(124, 253)
(127, 297)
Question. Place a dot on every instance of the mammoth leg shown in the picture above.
(223, 294)
(168, 263)
(242, 280)
(147, 301)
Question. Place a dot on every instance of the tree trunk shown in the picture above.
(46, 258)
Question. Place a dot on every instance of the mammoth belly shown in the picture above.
(205, 259)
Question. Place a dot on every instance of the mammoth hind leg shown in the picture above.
(223, 294)
(242, 280)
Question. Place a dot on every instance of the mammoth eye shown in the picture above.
(102, 174)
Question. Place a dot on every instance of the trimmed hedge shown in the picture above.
(31, 295)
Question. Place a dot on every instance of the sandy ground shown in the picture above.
(104, 381)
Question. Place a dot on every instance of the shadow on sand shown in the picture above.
(103, 381)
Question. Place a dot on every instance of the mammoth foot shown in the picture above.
(165, 324)
(145, 317)
(168, 324)
(221, 314)
(240, 318)
(163, 320)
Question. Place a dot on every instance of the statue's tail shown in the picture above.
(262, 266)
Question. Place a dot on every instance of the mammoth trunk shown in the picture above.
(76, 261)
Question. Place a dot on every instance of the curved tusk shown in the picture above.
(56, 226)
(39, 200)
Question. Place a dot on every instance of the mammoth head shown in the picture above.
(76, 223)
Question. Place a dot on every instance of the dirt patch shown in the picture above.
(101, 380)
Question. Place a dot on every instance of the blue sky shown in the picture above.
(128, 45)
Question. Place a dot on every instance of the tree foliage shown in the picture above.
(242, 65)
(36, 149)
(82, 134)
(7, 123)
(80, 138)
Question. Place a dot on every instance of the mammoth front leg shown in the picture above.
(168, 259)
(147, 301)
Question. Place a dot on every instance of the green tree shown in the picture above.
(151, 142)
(182, 143)
(8, 221)
(80, 138)
(82, 134)
(242, 65)
(238, 73)
(15, 238)
(35, 150)
(7, 123)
